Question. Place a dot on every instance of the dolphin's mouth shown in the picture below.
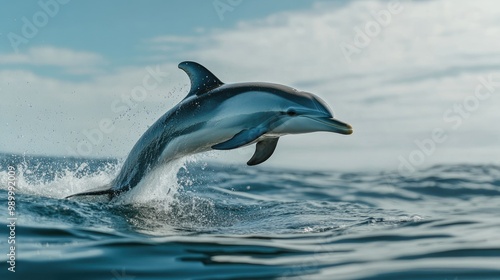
(334, 125)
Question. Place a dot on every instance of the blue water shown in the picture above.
(203, 220)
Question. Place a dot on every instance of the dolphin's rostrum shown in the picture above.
(222, 116)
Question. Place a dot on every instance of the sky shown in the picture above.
(418, 80)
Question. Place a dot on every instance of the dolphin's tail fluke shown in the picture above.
(104, 190)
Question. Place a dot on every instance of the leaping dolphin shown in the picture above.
(222, 116)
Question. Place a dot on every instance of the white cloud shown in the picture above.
(394, 91)
(172, 39)
(76, 62)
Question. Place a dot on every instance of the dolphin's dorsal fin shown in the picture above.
(202, 80)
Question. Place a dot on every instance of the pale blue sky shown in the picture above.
(119, 30)
(394, 70)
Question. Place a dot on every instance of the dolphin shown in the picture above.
(222, 116)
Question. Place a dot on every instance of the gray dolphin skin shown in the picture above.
(222, 116)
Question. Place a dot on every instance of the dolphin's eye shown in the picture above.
(291, 113)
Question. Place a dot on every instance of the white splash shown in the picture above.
(66, 182)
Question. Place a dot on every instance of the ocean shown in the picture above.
(197, 219)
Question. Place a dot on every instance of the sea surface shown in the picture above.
(197, 219)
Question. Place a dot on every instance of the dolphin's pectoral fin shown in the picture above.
(263, 150)
(242, 138)
(202, 80)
